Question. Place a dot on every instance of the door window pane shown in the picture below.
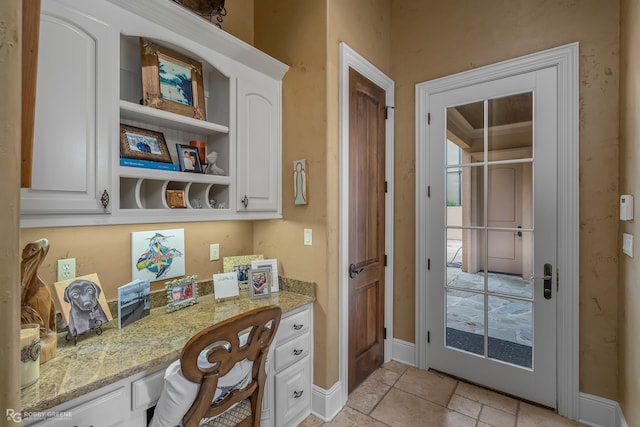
(510, 331)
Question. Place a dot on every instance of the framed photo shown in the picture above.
(272, 264)
(171, 81)
(189, 159)
(134, 302)
(181, 293)
(240, 265)
(82, 304)
(259, 282)
(143, 144)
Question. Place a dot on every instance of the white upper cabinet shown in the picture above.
(259, 147)
(73, 123)
(90, 82)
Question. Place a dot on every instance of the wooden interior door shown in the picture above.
(366, 227)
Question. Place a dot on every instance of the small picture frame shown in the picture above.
(181, 293)
(260, 282)
(272, 264)
(171, 81)
(143, 144)
(189, 159)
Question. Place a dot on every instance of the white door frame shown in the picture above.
(565, 60)
(351, 59)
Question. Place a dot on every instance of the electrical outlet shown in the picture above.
(66, 269)
(214, 252)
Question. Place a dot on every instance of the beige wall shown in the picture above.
(629, 312)
(453, 36)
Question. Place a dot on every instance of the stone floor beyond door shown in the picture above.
(399, 395)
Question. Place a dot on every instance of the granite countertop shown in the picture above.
(146, 345)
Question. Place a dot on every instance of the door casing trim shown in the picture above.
(349, 58)
(565, 60)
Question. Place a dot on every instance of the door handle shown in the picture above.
(353, 272)
(548, 277)
(519, 232)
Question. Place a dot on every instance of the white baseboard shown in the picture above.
(600, 412)
(404, 352)
(325, 404)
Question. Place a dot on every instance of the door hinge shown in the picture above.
(385, 186)
(386, 111)
(428, 118)
(428, 191)
(384, 333)
(385, 260)
(428, 263)
(428, 337)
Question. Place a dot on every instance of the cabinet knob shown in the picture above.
(245, 201)
(105, 199)
(297, 394)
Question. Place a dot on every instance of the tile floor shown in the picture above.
(399, 395)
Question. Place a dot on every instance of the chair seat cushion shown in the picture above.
(178, 393)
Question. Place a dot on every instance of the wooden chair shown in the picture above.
(223, 350)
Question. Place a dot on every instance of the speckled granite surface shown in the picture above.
(154, 341)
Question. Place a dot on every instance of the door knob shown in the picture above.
(353, 272)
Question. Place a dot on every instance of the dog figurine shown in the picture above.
(85, 312)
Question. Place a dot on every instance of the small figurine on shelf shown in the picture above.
(212, 168)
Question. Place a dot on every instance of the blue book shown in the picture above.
(136, 163)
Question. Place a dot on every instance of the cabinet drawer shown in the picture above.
(293, 394)
(293, 325)
(103, 411)
(146, 391)
(291, 351)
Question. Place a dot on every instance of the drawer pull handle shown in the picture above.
(297, 352)
(297, 394)
(297, 326)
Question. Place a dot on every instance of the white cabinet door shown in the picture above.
(72, 123)
(259, 144)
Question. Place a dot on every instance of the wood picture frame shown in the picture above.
(260, 282)
(171, 81)
(181, 293)
(188, 158)
(240, 265)
(143, 144)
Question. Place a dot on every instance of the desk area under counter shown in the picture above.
(113, 378)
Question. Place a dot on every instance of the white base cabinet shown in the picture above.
(286, 402)
(90, 82)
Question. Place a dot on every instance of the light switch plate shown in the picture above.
(627, 244)
(214, 252)
(308, 237)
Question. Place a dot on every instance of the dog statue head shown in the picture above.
(82, 294)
